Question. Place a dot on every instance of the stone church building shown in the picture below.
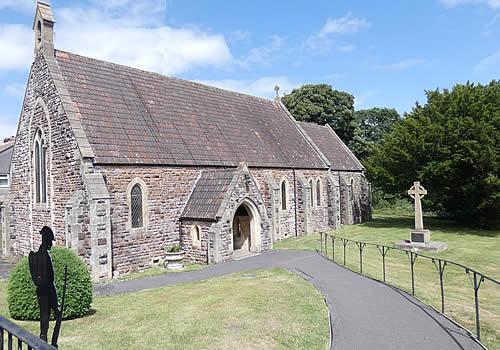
(123, 163)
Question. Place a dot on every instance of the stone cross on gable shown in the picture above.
(277, 89)
(417, 192)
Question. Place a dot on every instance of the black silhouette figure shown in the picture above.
(42, 273)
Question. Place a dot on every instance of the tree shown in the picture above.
(371, 126)
(451, 144)
(322, 105)
(376, 122)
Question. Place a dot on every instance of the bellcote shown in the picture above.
(43, 27)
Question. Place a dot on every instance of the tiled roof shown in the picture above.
(208, 194)
(135, 117)
(332, 147)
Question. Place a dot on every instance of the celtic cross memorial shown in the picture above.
(419, 234)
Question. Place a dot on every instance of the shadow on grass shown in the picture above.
(432, 223)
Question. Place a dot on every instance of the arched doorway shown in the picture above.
(246, 229)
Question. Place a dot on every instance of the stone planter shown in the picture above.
(174, 261)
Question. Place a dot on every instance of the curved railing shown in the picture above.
(15, 337)
(477, 277)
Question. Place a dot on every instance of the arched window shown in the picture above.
(196, 235)
(136, 206)
(351, 190)
(40, 167)
(284, 195)
(311, 191)
(318, 192)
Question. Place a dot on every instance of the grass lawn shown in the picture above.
(479, 249)
(262, 309)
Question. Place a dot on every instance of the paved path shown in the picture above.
(366, 314)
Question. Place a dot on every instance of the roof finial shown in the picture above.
(277, 89)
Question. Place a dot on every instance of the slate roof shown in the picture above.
(332, 147)
(6, 150)
(135, 117)
(208, 194)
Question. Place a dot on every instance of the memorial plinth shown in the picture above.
(420, 238)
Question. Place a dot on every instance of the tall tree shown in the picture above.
(322, 105)
(452, 145)
(371, 126)
(376, 122)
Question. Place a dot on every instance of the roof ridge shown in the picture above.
(263, 99)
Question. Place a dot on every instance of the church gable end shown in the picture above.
(46, 162)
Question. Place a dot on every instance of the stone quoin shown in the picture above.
(122, 163)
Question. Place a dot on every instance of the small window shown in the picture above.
(311, 191)
(318, 192)
(4, 180)
(284, 195)
(136, 206)
(196, 235)
(39, 32)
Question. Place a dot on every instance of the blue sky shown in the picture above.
(386, 53)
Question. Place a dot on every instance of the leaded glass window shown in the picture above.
(43, 171)
(311, 191)
(136, 206)
(318, 192)
(284, 195)
(37, 171)
(40, 168)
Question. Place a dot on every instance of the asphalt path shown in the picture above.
(365, 314)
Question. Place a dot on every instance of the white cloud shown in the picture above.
(100, 34)
(15, 89)
(16, 46)
(490, 28)
(262, 87)
(263, 55)
(239, 35)
(346, 48)
(343, 25)
(107, 33)
(323, 42)
(141, 12)
(360, 100)
(494, 4)
(18, 5)
(489, 64)
(403, 64)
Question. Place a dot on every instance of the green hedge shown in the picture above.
(21, 295)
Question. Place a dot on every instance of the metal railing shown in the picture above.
(18, 338)
(477, 277)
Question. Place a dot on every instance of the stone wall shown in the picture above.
(42, 109)
(197, 253)
(166, 191)
(269, 183)
(355, 197)
(316, 215)
(300, 217)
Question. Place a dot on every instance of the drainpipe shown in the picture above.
(295, 201)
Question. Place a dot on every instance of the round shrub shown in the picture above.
(21, 295)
